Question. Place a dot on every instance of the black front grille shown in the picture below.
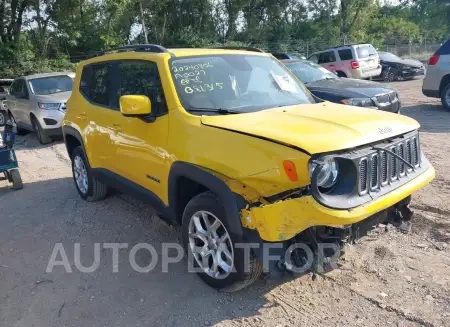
(374, 172)
(363, 175)
(386, 168)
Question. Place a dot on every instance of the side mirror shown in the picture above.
(135, 105)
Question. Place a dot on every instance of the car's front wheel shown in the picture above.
(213, 249)
(89, 188)
(445, 97)
(40, 132)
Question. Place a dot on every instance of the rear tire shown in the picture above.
(89, 188)
(16, 179)
(40, 132)
(239, 276)
(341, 74)
(445, 97)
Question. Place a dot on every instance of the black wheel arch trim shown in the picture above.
(68, 130)
(232, 202)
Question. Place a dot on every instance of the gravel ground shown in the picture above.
(388, 279)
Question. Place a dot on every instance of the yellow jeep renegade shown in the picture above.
(229, 144)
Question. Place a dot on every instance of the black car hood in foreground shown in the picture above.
(349, 88)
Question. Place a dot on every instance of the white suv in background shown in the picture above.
(359, 61)
(437, 81)
(38, 103)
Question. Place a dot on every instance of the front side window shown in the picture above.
(142, 78)
(327, 57)
(242, 83)
(314, 58)
(51, 85)
(309, 72)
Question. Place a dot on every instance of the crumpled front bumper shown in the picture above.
(285, 219)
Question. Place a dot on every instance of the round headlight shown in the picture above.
(327, 176)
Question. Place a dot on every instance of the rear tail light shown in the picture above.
(289, 168)
(355, 64)
(433, 60)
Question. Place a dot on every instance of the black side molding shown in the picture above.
(137, 191)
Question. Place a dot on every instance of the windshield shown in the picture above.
(309, 72)
(389, 57)
(242, 83)
(365, 51)
(51, 85)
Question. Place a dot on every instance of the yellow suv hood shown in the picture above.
(317, 128)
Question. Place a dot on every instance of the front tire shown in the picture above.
(89, 188)
(212, 248)
(445, 97)
(40, 132)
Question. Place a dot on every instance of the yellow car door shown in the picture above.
(140, 146)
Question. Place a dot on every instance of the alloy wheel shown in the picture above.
(80, 174)
(211, 245)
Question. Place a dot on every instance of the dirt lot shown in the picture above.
(391, 279)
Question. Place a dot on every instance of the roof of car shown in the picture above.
(186, 52)
(45, 75)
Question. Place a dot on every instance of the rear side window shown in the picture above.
(366, 51)
(444, 49)
(142, 78)
(345, 54)
(99, 90)
(85, 81)
(327, 57)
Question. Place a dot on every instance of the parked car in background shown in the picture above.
(327, 86)
(437, 80)
(4, 86)
(359, 61)
(5, 83)
(283, 55)
(394, 68)
(38, 103)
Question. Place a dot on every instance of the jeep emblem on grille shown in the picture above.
(385, 130)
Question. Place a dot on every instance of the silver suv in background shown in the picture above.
(38, 103)
(437, 80)
(359, 61)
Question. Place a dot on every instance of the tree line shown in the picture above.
(45, 35)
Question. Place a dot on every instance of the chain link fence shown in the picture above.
(420, 51)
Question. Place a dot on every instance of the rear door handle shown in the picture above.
(116, 128)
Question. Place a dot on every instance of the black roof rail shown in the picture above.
(253, 49)
(136, 47)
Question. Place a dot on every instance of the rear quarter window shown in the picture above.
(444, 49)
(346, 54)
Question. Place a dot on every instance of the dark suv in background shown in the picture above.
(437, 80)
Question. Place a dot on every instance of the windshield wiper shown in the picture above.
(220, 111)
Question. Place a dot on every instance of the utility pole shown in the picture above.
(144, 29)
